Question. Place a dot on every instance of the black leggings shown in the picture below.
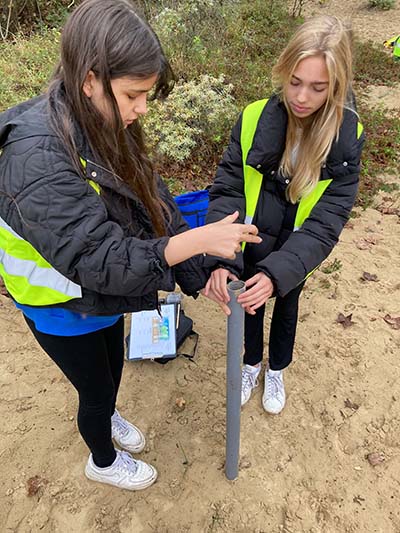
(282, 332)
(93, 364)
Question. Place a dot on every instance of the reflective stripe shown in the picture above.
(95, 186)
(31, 285)
(29, 278)
(92, 183)
(3, 224)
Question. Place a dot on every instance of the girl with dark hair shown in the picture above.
(292, 167)
(88, 232)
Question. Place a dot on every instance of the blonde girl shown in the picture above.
(292, 168)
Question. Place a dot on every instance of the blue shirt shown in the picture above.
(65, 323)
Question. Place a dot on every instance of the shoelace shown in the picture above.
(249, 380)
(127, 462)
(274, 385)
(119, 424)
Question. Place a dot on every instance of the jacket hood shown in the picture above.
(24, 121)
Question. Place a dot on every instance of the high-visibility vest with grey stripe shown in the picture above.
(28, 277)
(253, 179)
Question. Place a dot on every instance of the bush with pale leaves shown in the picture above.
(197, 113)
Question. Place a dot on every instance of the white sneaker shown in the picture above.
(274, 396)
(125, 472)
(249, 381)
(126, 434)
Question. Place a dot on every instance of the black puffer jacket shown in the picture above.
(103, 243)
(286, 256)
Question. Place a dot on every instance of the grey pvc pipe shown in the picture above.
(235, 336)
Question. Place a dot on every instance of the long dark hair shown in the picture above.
(110, 39)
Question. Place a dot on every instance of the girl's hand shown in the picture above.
(211, 294)
(261, 289)
(217, 284)
(224, 238)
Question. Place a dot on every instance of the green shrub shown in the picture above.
(190, 31)
(236, 38)
(198, 115)
(26, 16)
(26, 66)
(381, 4)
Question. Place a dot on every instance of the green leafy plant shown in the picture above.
(198, 115)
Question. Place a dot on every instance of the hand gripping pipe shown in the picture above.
(235, 333)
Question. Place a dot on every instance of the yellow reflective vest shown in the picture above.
(253, 179)
(28, 277)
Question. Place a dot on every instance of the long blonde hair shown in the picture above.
(330, 38)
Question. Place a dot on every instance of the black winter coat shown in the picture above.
(285, 256)
(105, 243)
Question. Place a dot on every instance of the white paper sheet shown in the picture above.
(153, 335)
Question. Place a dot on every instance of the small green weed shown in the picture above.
(334, 266)
(381, 4)
(389, 187)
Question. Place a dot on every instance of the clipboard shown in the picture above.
(153, 333)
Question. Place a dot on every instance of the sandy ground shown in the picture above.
(307, 470)
(367, 23)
